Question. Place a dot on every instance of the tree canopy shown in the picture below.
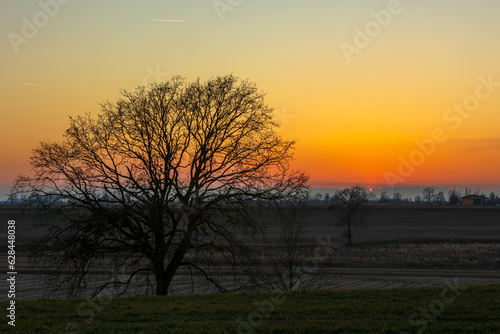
(165, 177)
(352, 208)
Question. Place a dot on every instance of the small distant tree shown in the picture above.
(398, 197)
(492, 198)
(418, 199)
(384, 198)
(428, 194)
(351, 205)
(453, 197)
(440, 198)
(327, 197)
(318, 197)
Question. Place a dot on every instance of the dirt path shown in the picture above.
(357, 278)
(34, 286)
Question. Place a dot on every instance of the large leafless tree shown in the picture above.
(166, 177)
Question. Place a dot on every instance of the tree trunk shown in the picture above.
(349, 233)
(163, 282)
(159, 262)
(161, 287)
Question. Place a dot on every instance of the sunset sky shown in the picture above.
(357, 83)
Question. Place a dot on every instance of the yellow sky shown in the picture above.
(355, 115)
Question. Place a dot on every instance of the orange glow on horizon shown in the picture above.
(354, 121)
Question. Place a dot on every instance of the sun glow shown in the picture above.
(353, 121)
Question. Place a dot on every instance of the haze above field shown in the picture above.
(357, 83)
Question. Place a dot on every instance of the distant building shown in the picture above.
(473, 200)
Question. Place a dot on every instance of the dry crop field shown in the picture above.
(412, 223)
(386, 224)
(400, 246)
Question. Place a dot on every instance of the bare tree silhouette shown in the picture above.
(280, 266)
(429, 195)
(440, 198)
(166, 177)
(454, 196)
(351, 205)
(384, 198)
(398, 197)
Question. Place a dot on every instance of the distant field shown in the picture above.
(25, 223)
(446, 310)
(409, 223)
(385, 223)
(438, 239)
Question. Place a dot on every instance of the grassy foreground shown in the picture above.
(473, 309)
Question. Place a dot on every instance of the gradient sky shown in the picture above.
(355, 121)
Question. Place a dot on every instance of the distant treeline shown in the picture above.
(429, 196)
